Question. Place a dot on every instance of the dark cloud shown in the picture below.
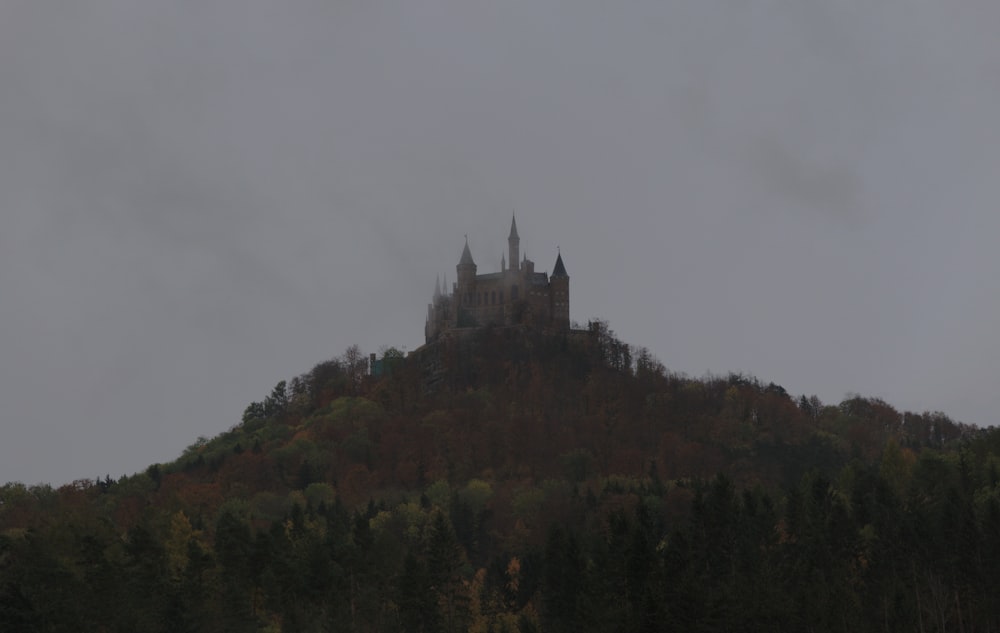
(200, 199)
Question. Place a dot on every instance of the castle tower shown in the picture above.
(466, 269)
(465, 289)
(560, 294)
(513, 244)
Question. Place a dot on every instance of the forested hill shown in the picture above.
(510, 480)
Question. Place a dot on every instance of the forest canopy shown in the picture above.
(511, 480)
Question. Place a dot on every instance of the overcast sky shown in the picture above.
(200, 198)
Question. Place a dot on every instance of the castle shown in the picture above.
(517, 295)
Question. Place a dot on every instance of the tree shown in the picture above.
(233, 547)
(276, 404)
(418, 612)
(444, 559)
(563, 580)
(356, 366)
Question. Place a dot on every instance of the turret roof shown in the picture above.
(466, 256)
(513, 228)
(559, 270)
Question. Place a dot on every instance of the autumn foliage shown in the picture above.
(511, 480)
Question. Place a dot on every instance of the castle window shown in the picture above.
(501, 296)
(513, 293)
(493, 297)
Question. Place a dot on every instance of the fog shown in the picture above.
(199, 199)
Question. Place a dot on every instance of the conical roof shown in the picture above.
(513, 229)
(559, 270)
(466, 256)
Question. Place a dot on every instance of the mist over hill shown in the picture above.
(509, 479)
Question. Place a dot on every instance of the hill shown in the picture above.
(510, 480)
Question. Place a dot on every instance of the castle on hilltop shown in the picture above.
(517, 295)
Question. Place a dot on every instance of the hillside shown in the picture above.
(510, 480)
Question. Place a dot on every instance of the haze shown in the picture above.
(199, 199)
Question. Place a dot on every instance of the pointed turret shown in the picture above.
(559, 270)
(503, 262)
(466, 270)
(465, 288)
(560, 294)
(513, 242)
(466, 256)
(437, 287)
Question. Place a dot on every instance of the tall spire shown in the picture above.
(513, 242)
(437, 287)
(503, 262)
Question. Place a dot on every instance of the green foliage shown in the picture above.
(320, 493)
(476, 494)
(516, 481)
(439, 494)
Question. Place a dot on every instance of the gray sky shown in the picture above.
(203, 197)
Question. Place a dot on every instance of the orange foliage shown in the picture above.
(191, 496)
